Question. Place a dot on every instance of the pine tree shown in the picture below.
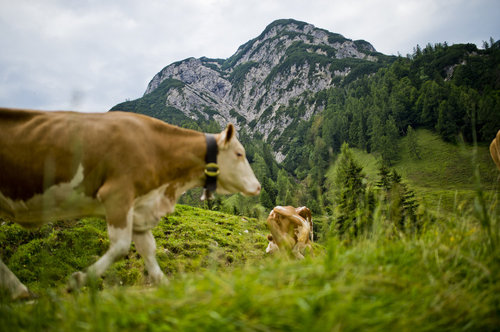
(407, 204)
(390, 146)
(385, 177)
(410, 207)
(350, 192)
(399, 199)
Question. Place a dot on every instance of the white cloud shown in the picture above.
(91, 55)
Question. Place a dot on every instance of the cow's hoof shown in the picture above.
(23, 294)
(163, 282)
(298, 255)
(157, 279)
(76, 281)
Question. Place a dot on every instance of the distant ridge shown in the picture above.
(270, 82)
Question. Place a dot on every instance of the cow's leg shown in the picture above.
(9, 281)
(120, 238)
(146, 246)
(297, 250)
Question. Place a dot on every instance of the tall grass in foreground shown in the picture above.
(444, 279)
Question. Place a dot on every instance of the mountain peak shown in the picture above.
(282, 33)
(289, 25)
(266, 85)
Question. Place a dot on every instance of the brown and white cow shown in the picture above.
(128, 168)
(291, 229)
(495, 149)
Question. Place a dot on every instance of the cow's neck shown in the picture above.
(182, 160)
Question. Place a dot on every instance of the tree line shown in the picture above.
(451, 90)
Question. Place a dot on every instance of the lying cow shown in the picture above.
(128, 168)
(495, 150)
(291, 229)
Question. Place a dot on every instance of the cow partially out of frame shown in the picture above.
(495, 149)
(128, 168)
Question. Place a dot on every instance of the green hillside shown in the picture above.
(188, 240)
(442, 174)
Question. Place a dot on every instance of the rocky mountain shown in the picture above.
(270, 83)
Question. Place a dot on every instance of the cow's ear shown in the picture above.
(304, 212)
(227, 134)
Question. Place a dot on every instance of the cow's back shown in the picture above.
(42, 149)
(34, 152)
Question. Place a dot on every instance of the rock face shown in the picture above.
(270, 82)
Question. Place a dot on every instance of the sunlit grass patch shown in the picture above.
(188, 240)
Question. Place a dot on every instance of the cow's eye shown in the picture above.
(239, 154)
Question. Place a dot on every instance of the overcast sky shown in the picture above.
(89, 55)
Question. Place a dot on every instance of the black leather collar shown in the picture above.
(211, 167)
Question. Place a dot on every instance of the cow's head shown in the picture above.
(272, 247)
(236, 175)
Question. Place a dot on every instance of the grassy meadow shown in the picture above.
(443, 175)
(444, 278)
